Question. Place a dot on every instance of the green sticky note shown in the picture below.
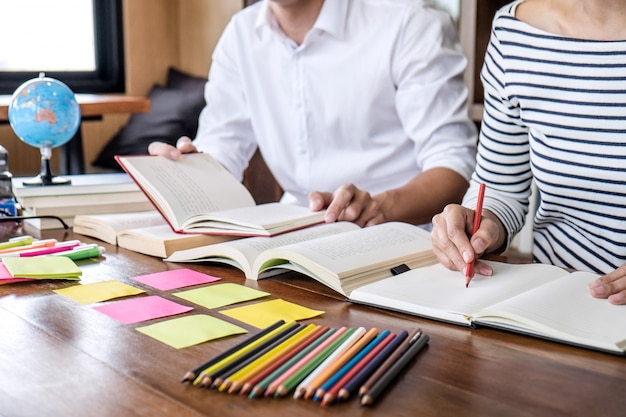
(219, 295)
(263, 314)
(99, 291)
(190, 330)
(42, 267)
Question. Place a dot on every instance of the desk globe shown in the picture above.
(44, 113)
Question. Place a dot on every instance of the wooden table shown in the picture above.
(59, 358)
(92, 107)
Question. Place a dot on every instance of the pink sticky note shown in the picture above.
(175, 278)
(141, 309)
(7, 278)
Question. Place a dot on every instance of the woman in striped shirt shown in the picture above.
(555, 110)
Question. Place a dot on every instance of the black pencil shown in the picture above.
(222, 374)
(193, 374)
(355, 383)
(390, 360)
(379, 387)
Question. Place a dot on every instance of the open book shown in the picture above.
(536, 299)
(341, 255)
(198, 195)
(144, 232)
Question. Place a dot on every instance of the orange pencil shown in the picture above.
(342, 360)
(469, 268)
(333, 392)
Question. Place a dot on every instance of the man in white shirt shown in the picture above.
(357, 106)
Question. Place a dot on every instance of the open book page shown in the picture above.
(346, 261)
(264, 219)
(242, 253)
(437, 292)
(194, 184)
(107, 226)
(565, 310)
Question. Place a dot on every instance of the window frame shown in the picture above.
(109, 75)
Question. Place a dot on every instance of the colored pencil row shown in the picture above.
(312, 362)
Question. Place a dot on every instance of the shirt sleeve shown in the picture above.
(503, 161)
(224, 128)
(431, 96)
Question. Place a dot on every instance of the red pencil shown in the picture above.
(469, 268)
(333, 393)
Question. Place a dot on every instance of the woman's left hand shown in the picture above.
(611, 286)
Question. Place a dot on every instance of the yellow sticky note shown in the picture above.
(98, 291)
(219, 295)
(266, 313)
(42, 267)
(190, 330)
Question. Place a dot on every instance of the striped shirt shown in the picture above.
(555, 111)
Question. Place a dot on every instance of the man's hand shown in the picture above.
(183, 145)
(348, 203)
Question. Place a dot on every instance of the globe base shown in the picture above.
(45, 177)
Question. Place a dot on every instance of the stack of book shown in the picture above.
(86, 194)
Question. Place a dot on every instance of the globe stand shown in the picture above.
(45, 177)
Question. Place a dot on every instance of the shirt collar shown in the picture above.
(332, 18)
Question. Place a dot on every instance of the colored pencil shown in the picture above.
(191, 375)
(379, 387)
(342, 360)
(204, 377)
(469, 267)
(312, 362)
(255, 379)
(235, 381)
(306, 384)
(352, 386)
(235, 365)
(390, 360)
(333, 393)
(260, 387)
(336, 377)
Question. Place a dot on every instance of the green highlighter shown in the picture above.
(82, 252)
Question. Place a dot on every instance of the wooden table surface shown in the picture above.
(59, 358)
(93, 105)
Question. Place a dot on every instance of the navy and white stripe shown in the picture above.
(556, 107)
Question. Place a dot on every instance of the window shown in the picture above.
(79, 42)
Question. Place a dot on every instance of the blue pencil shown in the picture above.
(319, 394)
(355, 383)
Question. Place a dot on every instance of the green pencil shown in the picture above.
(291, 382)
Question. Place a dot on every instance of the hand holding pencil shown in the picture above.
(469, 268)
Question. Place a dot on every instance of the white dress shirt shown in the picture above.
(373, 96)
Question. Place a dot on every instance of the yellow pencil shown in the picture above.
(204, 379)
(235, 381)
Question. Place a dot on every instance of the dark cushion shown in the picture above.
(183, 81)
(174, 112)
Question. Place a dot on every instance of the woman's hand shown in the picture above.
(611, 286)
(452, 243)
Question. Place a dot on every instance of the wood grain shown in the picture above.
(61, 358)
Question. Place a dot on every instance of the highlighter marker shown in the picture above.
(82, 252)
(16, 241)
(59, 247)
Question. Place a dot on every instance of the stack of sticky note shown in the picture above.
(22, 260)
